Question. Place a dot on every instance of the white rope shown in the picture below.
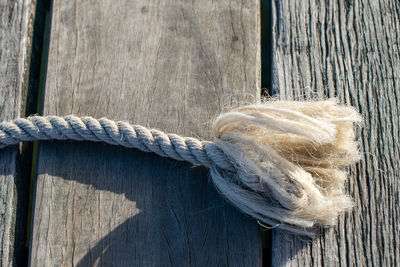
(280, 162)
(114, 133)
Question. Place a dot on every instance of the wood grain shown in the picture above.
(172, 65)
(347, 49)
(14, 45)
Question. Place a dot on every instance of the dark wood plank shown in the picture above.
(348, 49)
(14, 44)
(172, 65)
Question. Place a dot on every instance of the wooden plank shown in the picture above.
(172, 65)
(348, 49)
(14, 44)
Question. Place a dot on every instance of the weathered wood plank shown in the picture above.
(172, 65)
(348, 49)
(14, 46)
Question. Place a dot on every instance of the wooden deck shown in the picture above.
(175, 65)
(15, 31)
(350, 50)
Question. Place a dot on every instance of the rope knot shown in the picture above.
(289, 158)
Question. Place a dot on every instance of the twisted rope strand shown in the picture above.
(114, 133)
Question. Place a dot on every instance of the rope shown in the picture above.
(281, 162)
(114, 133)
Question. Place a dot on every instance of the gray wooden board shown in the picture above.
(14, 44)
(172, 65)
(348, 49)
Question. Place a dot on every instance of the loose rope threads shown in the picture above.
(281, 162)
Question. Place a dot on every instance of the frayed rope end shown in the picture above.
(289, 158)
